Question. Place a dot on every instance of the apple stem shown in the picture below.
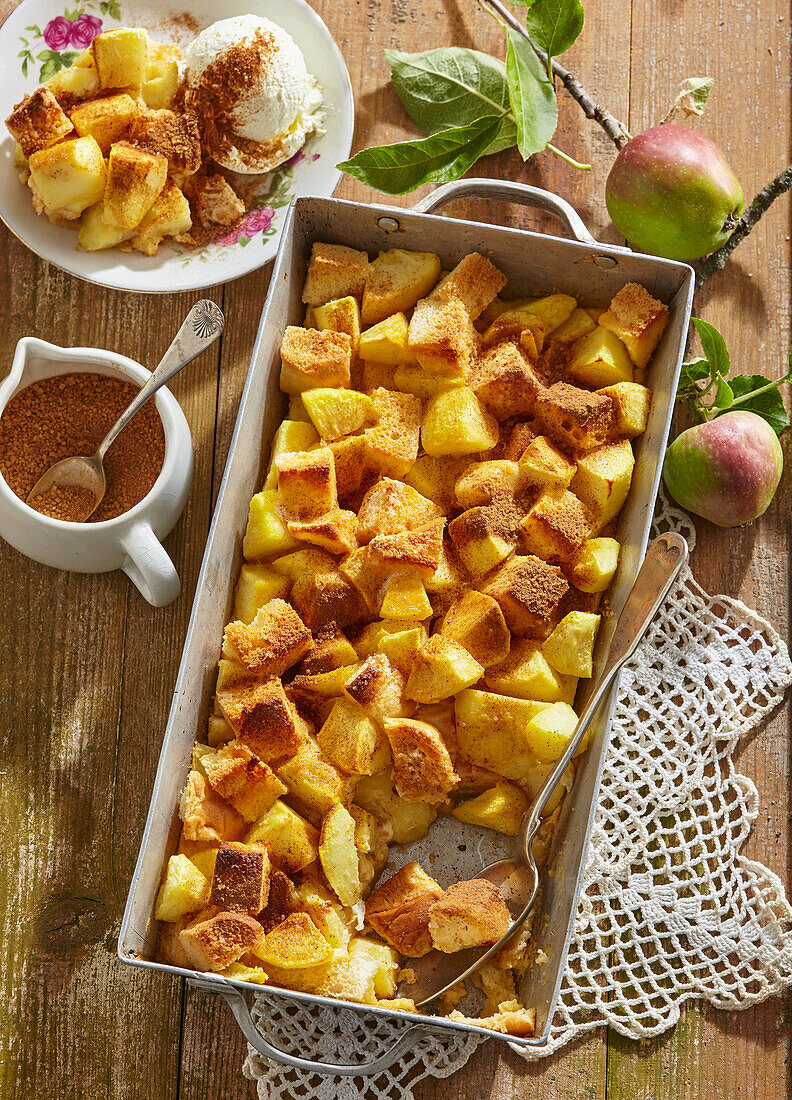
(760, 205)
(568, 159)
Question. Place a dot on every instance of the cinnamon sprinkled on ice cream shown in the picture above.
(247, 83)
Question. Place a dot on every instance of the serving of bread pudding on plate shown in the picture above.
(424, 568)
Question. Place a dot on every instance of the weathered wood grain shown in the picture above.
(89, 666)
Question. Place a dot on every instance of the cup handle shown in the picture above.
(148, 566)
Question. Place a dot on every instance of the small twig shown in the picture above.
(760, 205)
(616, 131)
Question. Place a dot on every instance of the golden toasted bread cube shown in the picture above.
(263, 719)
(272, 642)
(602, 480)
(405, 598)
(408, 821)
(207, 816)
(600, 359)
(238, 776)
(638, 319)
(295, 944)
(436, 479)
(334, 272)
(395, 282)
(500, 808)
(556, 526)
(134, 180)
(337, 412)
(38, 121)
(483, 482)
(417, 551)
(476, 622)
(162, 75)
(121, 56)
(306, 483)
(105, 119)
(527, 673)
(95, 234)
(631, 403)
(69, 176)
(293, 842)
(376, 376)
(491, 731)
(543, 464)
(392, 444)
(184, 890)
(442, 338)
(335, 531)
(291, 436)
(469, 914)
(310, 358)
(378, 687)
(456, 423)
(240, 883)
(594, 564)
(169, 216)
(422, 767)
(328, 601)
(266, 533)
(349, 456)
(391, 507)
(482, 539)
(78, 81)
(352, 740)
(529, 592)
(474, 281)
(578, 323)
(386, 342)
(518, 440)
(570, 648)
(548, 733)
(257, 585)
(338, 854)
(517, 320)
(215, 943)
(441, 668)
(574, 418)
(506, 382)
(314, 783)
(341, 315)
(399, 909)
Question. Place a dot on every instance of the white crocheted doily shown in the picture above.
(670, 911)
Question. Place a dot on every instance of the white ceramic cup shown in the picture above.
(130, 541)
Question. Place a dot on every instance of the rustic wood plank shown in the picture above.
(713, 1053)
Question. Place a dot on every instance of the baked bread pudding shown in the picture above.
(424, 568)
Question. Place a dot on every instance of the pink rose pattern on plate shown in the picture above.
(65, 36)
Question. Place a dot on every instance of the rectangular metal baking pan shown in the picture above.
(534, 263)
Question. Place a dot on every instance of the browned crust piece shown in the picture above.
(574, 418)
(241, 878)
(469, 914)
(207, 816)
(263, 719)
(529, 592)
(282, 900)
(275, 640)
(506, 382)
(38, 121)
(422, 767)
(215, 943)
(416, 551)
(399, 910)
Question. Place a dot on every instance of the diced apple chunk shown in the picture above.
(69, 177)
(570, 647)
(134, 180)
(456, 423)
(600, 359)
(105, 119)
(121, 57)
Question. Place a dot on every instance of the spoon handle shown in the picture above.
(201, 327)
(661, 566)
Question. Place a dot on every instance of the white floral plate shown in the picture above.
(40, 37)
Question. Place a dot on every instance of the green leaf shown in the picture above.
(554, 25)
(768, 404)
(533, 100)
(447, 155)
(51, 66)
(695, 370)
(714, 346)
(453, 87)
(724, 396)
(67, 58)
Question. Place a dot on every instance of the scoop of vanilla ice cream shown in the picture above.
(276, 102)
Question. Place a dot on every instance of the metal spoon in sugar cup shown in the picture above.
(85, 473)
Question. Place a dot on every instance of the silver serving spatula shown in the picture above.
(518, 879)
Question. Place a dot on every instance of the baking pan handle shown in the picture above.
(238, 1005)
(508, 191)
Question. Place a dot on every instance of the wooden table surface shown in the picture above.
(88, 667)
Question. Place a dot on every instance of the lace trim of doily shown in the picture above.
(670, 911)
